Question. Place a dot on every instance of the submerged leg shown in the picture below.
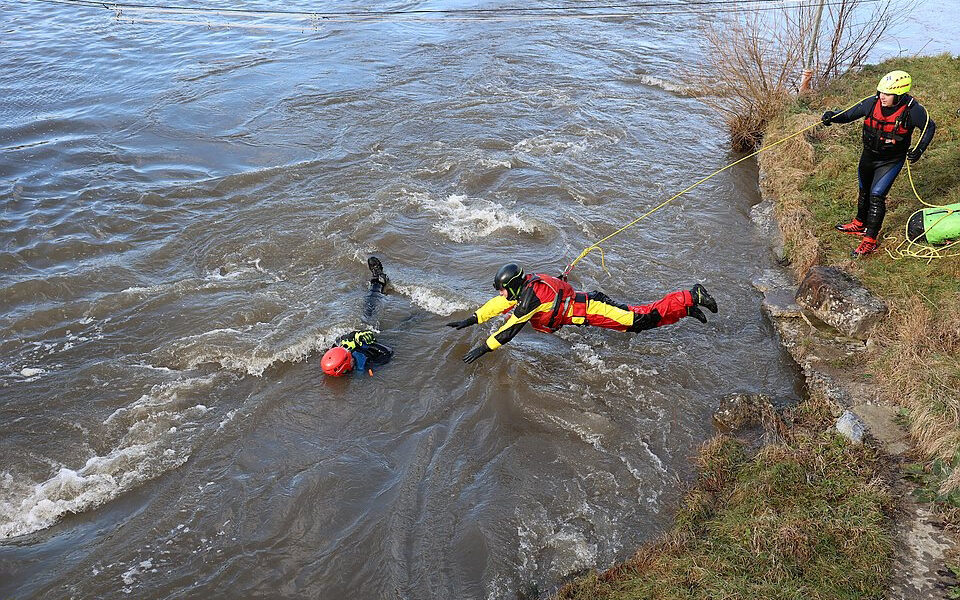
(374, 297)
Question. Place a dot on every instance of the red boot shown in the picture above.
(854, 227)
(867, 246)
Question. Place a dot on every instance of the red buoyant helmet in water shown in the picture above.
(337, 361)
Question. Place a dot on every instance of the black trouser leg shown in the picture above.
(878, 210)
(372, 301)
(865, 171)
(863, 205)
(601, 297)
(876, 178)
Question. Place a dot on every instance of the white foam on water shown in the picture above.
(227, 418)
(584, 433)
(244, 270)
(39, 350)
(655, 460)
(155, 290)
(431, 300)
(31, 372)
(675, 88)
(463, 219)
(494, 163)
(251, 350)
(542, 145)
(100, 480)
(619, 378)
(167, 397)
(552, 547)
(212, 280)
(159, 427)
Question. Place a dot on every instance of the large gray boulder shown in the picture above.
(839, 300)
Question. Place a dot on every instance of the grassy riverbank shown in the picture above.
(917, 357)
(809, 516)
(802, 518)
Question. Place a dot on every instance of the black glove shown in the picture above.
(914, 155)
(827, 118)
(472, 320)
(474, 354)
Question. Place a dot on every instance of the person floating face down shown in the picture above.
(548, 303)
(359, 350)
(889, 119)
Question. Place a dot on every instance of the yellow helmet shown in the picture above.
(895, 82)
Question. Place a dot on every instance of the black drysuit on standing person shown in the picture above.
(887, 135)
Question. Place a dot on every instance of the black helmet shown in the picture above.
(510, 278)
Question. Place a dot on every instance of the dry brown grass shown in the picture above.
(785, 168)
(918, 363)
(919, 371)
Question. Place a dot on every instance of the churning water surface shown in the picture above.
(186, 214)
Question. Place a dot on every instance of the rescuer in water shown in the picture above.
(359, 350)
(889, 120)
(548, 303)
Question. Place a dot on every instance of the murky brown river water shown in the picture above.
(186, 212)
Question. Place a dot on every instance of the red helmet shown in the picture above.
(337, 361)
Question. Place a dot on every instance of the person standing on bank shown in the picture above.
(889, 119)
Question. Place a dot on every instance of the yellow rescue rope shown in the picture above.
(596, 245)
(914, 249)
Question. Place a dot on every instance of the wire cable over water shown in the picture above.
(142, 13)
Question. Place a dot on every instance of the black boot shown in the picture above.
(856, 226)
(863, 205)
(376, 269)
(702, 298)
(696, 313)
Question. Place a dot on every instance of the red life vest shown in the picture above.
(886, 134)
(562, 297)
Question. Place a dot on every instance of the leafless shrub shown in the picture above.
(850, 31)
(755, 58)
(752, 67)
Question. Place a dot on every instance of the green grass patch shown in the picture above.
(917, 362)
(802, 519)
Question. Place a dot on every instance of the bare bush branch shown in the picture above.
(754, 59)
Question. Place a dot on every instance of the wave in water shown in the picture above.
(251, 350)
(160, 427)
(667, 86)
(463, 219)
(432, 300)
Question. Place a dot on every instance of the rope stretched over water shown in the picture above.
(596, 245)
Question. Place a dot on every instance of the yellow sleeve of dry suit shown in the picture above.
(512, 326)
(495, 306)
